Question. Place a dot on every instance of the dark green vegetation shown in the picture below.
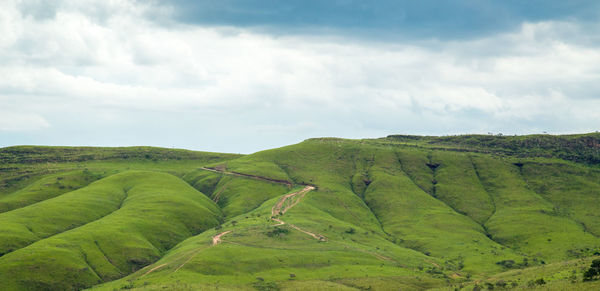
(583, 148)
(403, 212)
(593, 273)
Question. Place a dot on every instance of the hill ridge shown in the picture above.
(399, 212)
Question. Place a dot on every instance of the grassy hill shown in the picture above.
(401, 212)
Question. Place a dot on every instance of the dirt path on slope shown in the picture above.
(215, 241)
(286, 203)
(287, 183)
(218, 194)
(217, 238)
(279, 208)
(153, 269)
(282, 206)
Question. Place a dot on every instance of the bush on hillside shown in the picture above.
(278, 232)
(593, 273)
(506, 263)
(501, 283)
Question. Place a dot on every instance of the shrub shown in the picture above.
(506, 263)
(278, 231)
(593, 273)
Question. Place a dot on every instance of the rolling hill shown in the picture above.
(396, 213)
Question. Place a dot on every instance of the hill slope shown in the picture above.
(400, 212)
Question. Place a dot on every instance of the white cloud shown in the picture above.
(105, 58)
(10, 121)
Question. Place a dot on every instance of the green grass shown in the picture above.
(23, 165)
(119, 224)
(524, 220)
(235, 195)
(584, 148)
(572, 189)
(417, 220)
(47, 187)
(564, 275)
(272, 258)
(458, 185)
(402, 212)
(23, 226)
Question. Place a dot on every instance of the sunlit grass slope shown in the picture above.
(420, 221)
(524, 220)
(26, 225)
(259, 254)
(47, 187)
(235, 195)
(22, 165)
(121, 224)
(573, 190)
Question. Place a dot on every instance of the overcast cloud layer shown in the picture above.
(113, 73)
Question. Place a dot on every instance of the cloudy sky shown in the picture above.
(246, 75)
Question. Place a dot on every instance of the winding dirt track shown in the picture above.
(153, 269)
(279, 208)
(217, 238)
(215, 241)
(284, 204)
(282, 207)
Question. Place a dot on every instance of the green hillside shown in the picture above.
(396, 213)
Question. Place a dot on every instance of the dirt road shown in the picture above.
(293, 198)
(286, 203)
(281, 207)
(287, 183)
(217, 238)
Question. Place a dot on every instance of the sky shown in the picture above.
(242, 76)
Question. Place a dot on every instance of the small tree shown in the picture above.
(593, 273)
